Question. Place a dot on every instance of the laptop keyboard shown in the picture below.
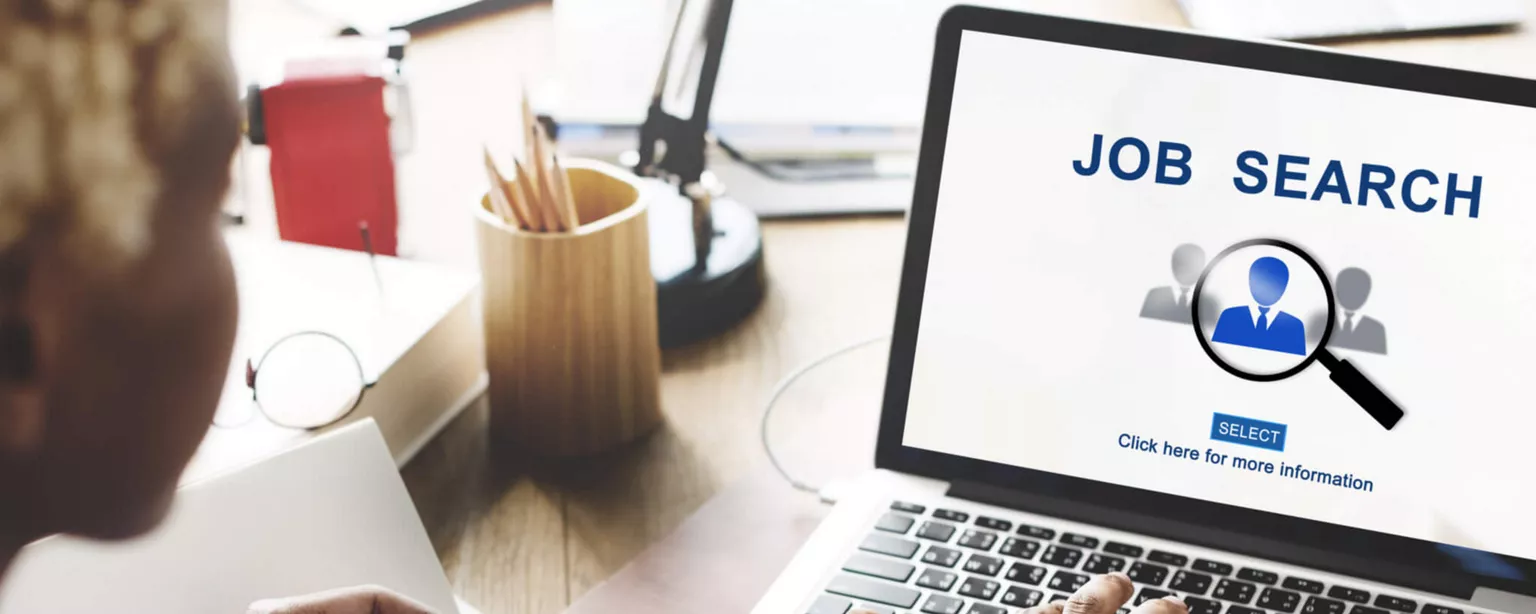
(949, 561)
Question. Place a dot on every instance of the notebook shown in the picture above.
(330, 513)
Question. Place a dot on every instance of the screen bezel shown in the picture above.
(1457, 566)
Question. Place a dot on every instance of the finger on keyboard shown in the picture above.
(1102, 595)
(1049, 608)
(1166, 605)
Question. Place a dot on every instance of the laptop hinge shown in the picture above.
(1342, 563)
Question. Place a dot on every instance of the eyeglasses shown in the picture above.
(307, 380)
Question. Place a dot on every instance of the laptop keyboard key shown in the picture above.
(996, 524)
(984, 565)
(1067, 582)
(1167, 558)
(1123, 549)
(1198, 605)
(829, 604)
(1397, 603)
(888, 544)
(1060, 597)
(1365, 609)
(1026, 574)
(984, 608)
(1103, 563)
(1020, 597)
(1148, 594)
(1147, 573)
(1319, 605)
(1190, 582)
(979, 588)
(1233, 591)
(879, 567)
(1209, 566)
(936, 531)
(943, 514)
(1254, 575)
(1242, 609)
(873, 590)
(1036, 532)
(1304, 585)
(1430, 608)
(979, 540)
(941, 556)
(1349, 594)
(910, 508)
(895, 523)
(941, 604)
(1019, 547)
(1061, 556)
(1278, 600)
(936, 579)
(1079, 540)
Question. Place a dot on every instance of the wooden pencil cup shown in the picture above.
(570, 322)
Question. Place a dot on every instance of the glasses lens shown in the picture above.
(308, 381)
(1270, 306)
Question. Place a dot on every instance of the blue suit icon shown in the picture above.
(1254, 327)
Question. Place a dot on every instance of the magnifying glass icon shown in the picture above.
(1258, 339)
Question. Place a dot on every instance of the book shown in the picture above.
(414, 326)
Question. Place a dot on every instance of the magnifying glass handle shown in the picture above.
(1362, 390)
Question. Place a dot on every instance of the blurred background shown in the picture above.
(761, 187)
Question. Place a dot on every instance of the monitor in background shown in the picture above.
(373, 16)
(1333, 20)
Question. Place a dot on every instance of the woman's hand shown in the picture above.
(355, 600)
(1105, 595)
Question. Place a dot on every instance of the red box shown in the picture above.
(332, 166)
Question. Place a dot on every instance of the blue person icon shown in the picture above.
(1259, 326)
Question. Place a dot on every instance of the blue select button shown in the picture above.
(1248, 432)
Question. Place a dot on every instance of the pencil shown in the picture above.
(498, 192)
(543, 177)
(531, 153)
(529, 193)
(563, 195)
(520, 205)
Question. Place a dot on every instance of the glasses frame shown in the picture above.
(253, 372)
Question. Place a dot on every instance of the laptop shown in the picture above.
(1244, 321)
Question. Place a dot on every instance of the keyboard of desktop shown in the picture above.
(947, 561)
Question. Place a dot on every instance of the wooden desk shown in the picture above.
(523, 535)
(526, 536)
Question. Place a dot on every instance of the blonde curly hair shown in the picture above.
(93, 95)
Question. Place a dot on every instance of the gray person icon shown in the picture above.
(1351, 330)
(1171, 303)
(1356, 331)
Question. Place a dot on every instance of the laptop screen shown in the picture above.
(1284, 293)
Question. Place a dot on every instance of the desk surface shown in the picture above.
(521, 535)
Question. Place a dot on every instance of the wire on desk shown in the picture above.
(778, 391)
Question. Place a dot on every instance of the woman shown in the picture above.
(117, 302)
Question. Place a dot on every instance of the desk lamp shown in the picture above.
(706, 249)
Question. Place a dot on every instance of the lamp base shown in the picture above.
(693, 302)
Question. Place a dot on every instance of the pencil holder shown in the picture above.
(570, 322)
